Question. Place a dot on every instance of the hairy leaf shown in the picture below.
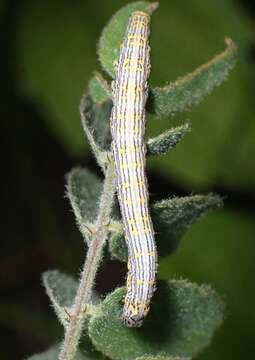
(181, 322)
(112, 35)
(99, 89)
(171, 218)
(95, 119)
(166, 141)
(61, 289)
(192, 88)
(83, 191)
(117, 244)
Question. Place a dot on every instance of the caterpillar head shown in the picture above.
(134, 312)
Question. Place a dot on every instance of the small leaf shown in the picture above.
(61, 289)
(167, 141)
(52, 354)
(113, 33)
(99, 89)
(181, 322)
(161, 357)
(83, 191)
(171, 219)
(191, 89)
(95, 119)
(117, 244)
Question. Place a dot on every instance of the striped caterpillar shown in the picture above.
(130, 92)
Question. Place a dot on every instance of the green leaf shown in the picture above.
(61, 289)
(117, 244)
(99, 89)
(192, 88)
(166, 141)
(113, 33)
(181, 322)
(95, 119)
(160, 357)
(171, 218)
(83, 191)
(52, 354)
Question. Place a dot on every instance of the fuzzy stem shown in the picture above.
(94, 254)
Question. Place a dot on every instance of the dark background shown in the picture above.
(48, 54)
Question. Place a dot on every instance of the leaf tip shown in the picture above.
(46, 274)
(232, 48)
(215, 200)
(153, 7)
(230, 43)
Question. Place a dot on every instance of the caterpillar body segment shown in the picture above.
(130, 92)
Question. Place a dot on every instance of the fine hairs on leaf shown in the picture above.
(61, 290)
(184, 316)
(172, 218)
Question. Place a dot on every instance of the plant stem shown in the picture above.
(94, 254)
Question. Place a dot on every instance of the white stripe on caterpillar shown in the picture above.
(130, 92)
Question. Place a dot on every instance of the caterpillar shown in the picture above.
(129, 95)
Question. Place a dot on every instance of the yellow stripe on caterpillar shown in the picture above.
(134, 165)
(136, 43)
(132, 184)
(141, 282)
(140, 231)
(145, 16)
(138, 220)
(131, 86)
(136, 37)
(140, 254)
(135, 306)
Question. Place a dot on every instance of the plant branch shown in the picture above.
(94, 254)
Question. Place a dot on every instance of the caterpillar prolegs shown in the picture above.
(130, 92)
